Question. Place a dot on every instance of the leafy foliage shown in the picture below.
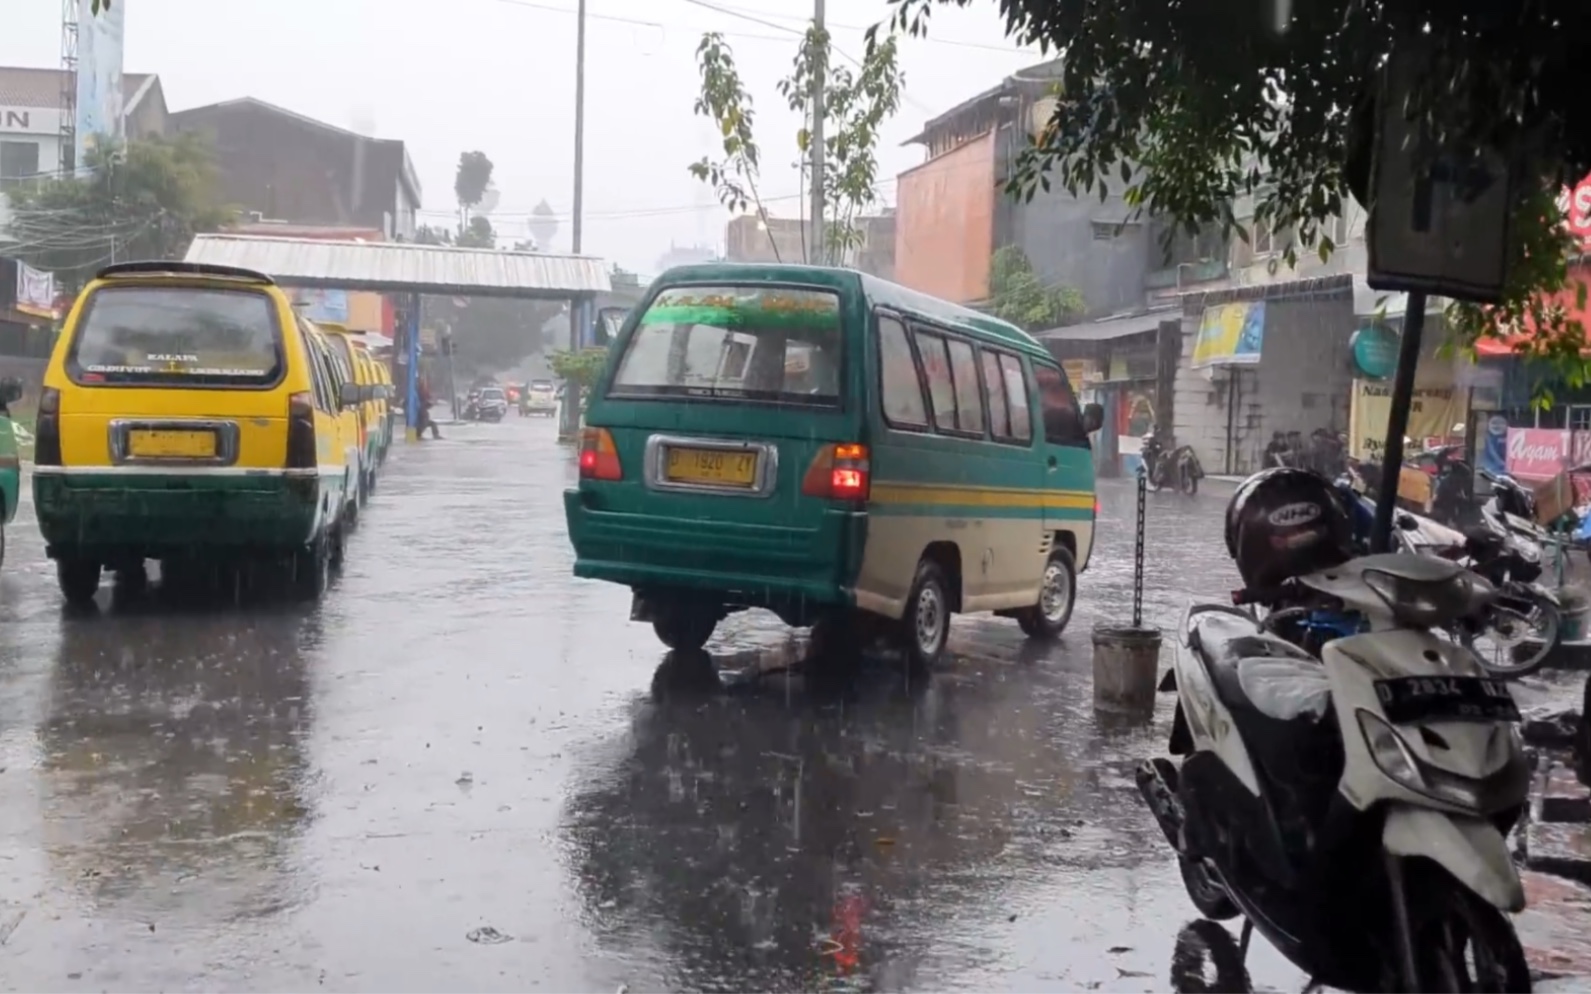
(1199, 102)
(144, 200)
(1017, 294)
(857, 103)
(477, 234)
(580, 367)
(473, 176)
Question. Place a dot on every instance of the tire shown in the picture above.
(1489, 958)
(312, 568)
(79, 580)
(1550, 628)
(1204, 947)
(1206, 892)
(1059, 588)
(2, 544)
(925, 627)
(684, 629)
(336, 549)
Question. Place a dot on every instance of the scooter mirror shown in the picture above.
(1407, 523)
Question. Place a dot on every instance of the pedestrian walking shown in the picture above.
(424, 420)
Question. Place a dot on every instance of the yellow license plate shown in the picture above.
(171, 444)
(711, 466)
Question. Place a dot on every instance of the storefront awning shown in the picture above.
(1493, 347)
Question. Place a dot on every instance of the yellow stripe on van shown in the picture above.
(888, 492)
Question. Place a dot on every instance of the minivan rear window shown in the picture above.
(177, 336)
(736, 343)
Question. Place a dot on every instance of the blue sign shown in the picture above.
(1494, 446)
(329, 306)
(1375, 351)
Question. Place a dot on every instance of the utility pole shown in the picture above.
(569, 411)
(817, 251)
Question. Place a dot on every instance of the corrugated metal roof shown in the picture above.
(395, 267)
(25, 87)
(1110, 328)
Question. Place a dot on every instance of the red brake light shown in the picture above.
(1096, 507)
(599, 457)
(839, 472)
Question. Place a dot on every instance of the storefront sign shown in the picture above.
(35, 292)
(1230, 335)
(1433, 411)
(1492, 453)
(1537, 453)
(30, 120)
(1575, 203)
(1375, 351)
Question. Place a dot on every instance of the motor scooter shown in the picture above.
(1352, 808)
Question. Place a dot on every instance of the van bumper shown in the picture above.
(112, 515)
(794, 572)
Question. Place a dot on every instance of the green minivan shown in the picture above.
(840, 450)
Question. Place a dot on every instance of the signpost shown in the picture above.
(1439, 224)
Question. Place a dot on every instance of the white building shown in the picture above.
(30, 122)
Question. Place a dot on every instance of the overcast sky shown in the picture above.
(447, 76)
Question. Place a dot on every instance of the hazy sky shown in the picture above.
(447, 76)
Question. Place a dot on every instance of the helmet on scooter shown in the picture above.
(1285, 522)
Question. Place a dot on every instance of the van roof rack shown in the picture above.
(169, 267)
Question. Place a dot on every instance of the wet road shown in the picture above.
(468, 771)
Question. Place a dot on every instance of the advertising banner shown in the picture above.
(1537, 453)
(1230, 335)
(330, 306)
(99, 77)
(35, 292)
(1432, 413)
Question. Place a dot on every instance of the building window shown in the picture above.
(1104, 231)
(18, 160)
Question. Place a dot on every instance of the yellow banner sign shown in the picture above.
(1432, 414)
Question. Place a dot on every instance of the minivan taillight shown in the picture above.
(47, 429)
(839, 472)
(599, 457)
(301, 431)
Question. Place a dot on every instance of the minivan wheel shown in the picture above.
(684, 628)
(1057, 595)
(925, 627)
(79, 580)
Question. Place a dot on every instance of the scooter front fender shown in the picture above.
(1471, 849)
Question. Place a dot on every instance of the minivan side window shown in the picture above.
(1016, 392)
(994, 386)
(900, 390)
(1063, 422)
(969, 401)
(318, 377)
(941, 388)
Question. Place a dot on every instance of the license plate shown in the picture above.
(713, 467)
(171, 444)
(1446, 698)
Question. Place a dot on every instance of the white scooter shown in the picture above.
(1352, 808)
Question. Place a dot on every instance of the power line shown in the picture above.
(744, 13)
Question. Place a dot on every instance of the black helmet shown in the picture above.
(1285, 522)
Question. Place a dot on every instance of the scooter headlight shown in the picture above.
(1393, 757)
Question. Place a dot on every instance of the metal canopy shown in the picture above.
(401, 267)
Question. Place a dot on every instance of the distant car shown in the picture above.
(492, 404)
(540, 398)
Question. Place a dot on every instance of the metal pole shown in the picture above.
(817, 251)
(580, 131)
(1138, 551)
(411, 349)
(1398, 422)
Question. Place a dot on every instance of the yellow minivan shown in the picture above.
(188, 415)
(354, 362)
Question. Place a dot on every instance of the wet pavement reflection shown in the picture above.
(467, 771)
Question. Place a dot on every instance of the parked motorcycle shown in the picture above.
(1352, 808)
(1178, 467)
(1523, 622)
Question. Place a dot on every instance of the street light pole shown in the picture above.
(569, 412)
(817, 253)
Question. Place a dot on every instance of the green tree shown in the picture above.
(470, 182)
(142, 200)
(1019, 295)
(857, 103)
(477, 234)
(1200, 103)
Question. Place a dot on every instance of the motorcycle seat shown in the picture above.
(1258, 672)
